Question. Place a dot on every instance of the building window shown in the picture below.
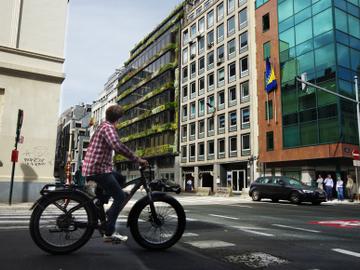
(201, 25)
(231, 72)
(231, 46)
(201, 65)
(221, 123)
(268, 110)
(184, 109)
(243, 42)
(201, 147)
(231, 26)
(210, 60)
(210, 126)
(244, 69)
(220, 12)
(220, 55)
(185, 91)
(221, 77)
(201, 44)
(220, 33)
(201, 107)
(210, 19)
(244, 91)
(230, 6)
(201, 129)
(192, 50)
(245, 118)
(266, 49)
(269, 141)
(192, 90)
(185, 37)
(210, 81)
(242, 18)
(193, 69)
(266, 22)
(211, 103)
(192, 131)
(232, 96)
(193, 31)
(221, 100)
(221, 147)
(233, 146)
(245, 145)
(185, 73)
(210, 39)
(192, 152)
(192, 110)
(201, 86)
(183, 152)
(185, 56)
(210, 148)
(232, 121)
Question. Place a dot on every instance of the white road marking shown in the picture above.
(295, 228)
(347, 252)
(241, 206)
(220, 216)
(189, 234)
(14, 228)
(187, 219)
(246, 229)
(210, 244)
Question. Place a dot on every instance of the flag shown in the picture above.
(270, 80)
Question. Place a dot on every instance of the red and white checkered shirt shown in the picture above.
(98, 158)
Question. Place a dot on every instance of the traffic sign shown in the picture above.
(355, 154)
(356, 163)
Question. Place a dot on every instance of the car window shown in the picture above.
(293, 182)
(267, 180)
(277, 181)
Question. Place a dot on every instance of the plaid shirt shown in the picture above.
(98, 158)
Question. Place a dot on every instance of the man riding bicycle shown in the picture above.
(98, 167)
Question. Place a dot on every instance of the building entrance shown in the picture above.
(238, 180)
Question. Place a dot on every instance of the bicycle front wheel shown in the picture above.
(56, 230)
(162, 232)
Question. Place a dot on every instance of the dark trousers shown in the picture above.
(112, 184)
(329, 191)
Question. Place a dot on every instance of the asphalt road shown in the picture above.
(220, 235)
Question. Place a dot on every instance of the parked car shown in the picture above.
(165, 185)
(285, 188)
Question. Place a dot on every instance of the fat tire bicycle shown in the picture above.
(65, 216)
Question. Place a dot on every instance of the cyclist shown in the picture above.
(97, 166)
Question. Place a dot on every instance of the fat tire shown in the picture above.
(35, 232)
(134, 218)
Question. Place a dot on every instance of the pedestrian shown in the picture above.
(189, 185)
(329, 185)
(340, 189)
(320, 182)
(98, 167)
(218, 181)
(350, 188)
(79, 179)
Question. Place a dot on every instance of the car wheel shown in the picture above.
(274, 200)
(256, 195)
(295, 198)
(316, 203)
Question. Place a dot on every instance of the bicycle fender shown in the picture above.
(143, 200)
(45, 197)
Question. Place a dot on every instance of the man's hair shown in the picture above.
(113, 113)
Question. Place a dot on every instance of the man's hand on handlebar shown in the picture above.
(143, 163)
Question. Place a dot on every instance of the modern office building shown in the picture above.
(107, 97)
(149, 93)
(218, 112)
(311, 132)
(32, 39)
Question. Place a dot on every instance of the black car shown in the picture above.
(165, 185)
(285, 188)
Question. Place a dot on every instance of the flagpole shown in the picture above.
(267, 108)
(275, 106)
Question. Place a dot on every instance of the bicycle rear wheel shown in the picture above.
(57, 231)
(161, 234)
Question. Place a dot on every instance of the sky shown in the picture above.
(100, 35)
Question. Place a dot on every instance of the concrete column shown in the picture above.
(217, 173)
(196, 177)
(307, 175)
(177, 171)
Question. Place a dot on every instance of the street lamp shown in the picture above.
(305, 84)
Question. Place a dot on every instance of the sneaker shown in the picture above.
(115, 237)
